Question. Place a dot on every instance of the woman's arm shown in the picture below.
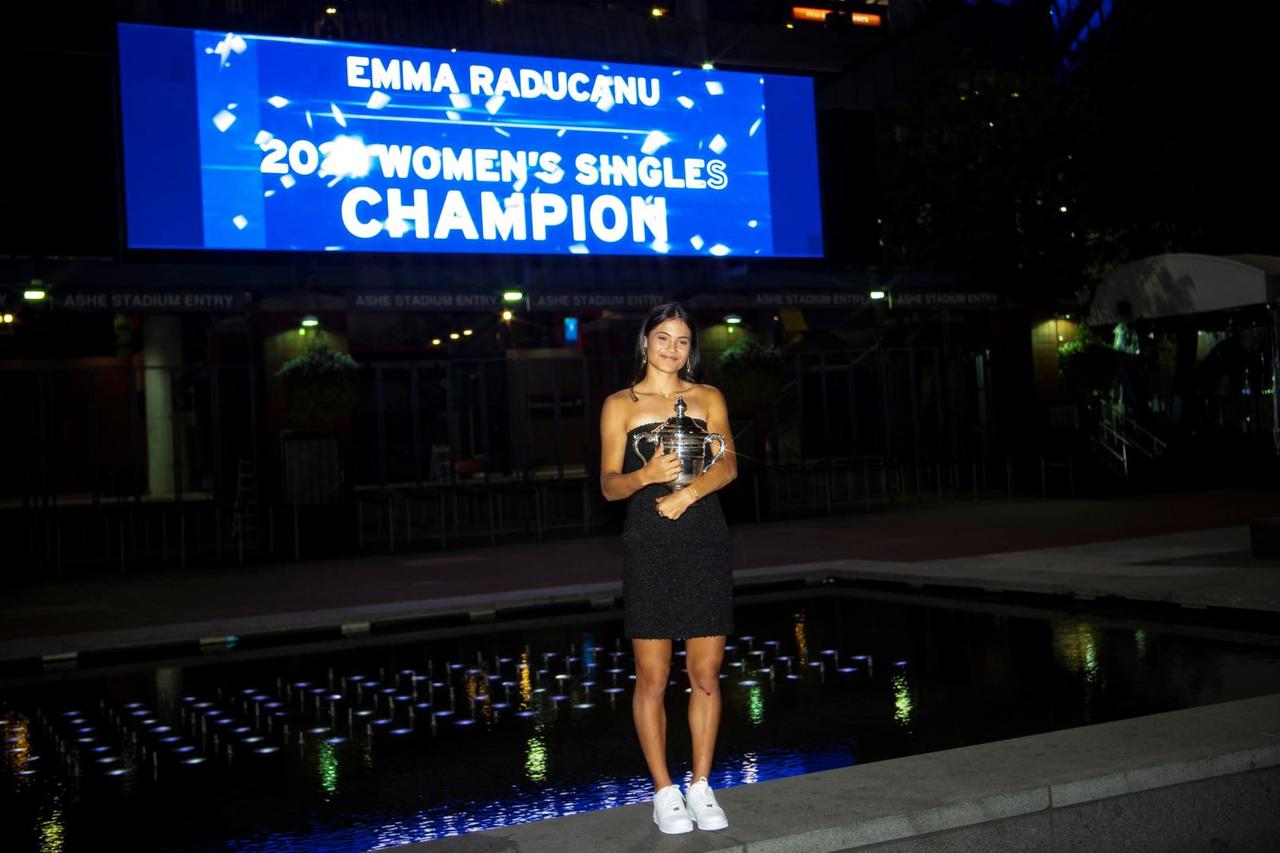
(718, 475)
(662, 467)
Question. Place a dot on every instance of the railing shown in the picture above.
(1121, 433)
(444, 451)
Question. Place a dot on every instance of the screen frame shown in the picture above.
(257, 256)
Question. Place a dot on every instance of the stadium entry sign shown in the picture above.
(237, 141)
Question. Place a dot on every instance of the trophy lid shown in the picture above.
(681, 422)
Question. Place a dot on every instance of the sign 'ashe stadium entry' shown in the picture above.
(253, 142)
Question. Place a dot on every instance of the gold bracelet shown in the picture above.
(696, 497)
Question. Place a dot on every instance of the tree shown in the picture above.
(988, 172)
(1043, 180)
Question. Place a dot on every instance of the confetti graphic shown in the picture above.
(332, 146)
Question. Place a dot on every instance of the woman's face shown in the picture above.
(668, 345)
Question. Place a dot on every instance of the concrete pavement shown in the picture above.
(1188, 549)
(1152, 783)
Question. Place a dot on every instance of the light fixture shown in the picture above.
(34, 295)
(331, 10)
(466, 332)
(877, 294)
(302, 332)
(658, 11)
(310, 321)
(512, 296)
(7, 319)
(732, 319)
(453, 336)
(791, 26)
(1062, 209)
(435, 342)
(708, 66)
(507, 315)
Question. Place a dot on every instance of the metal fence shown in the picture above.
(448, 451)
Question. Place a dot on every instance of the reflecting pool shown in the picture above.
(377, 742)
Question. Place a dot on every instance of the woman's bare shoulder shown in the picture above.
(617, 406)
(621, 397)
(707, 392)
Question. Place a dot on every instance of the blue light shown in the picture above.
(638, 160)
(570, 330)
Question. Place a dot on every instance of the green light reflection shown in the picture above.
(328, 768)
(535, 759)
(1076, 646)
(52, 832)
(755, 708)
(902, 704)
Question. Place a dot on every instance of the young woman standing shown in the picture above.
(676, 578)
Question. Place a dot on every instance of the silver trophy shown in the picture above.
(690, 442)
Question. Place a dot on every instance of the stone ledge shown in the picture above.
(921, 796)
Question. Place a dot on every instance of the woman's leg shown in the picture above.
(653, 666)
(703, 656)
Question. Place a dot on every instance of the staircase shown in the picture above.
(1124, 441)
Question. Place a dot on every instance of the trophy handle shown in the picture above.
(706, 440)
(635, 445)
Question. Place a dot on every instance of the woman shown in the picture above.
(676, 579)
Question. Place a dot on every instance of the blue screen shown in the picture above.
(235, 141)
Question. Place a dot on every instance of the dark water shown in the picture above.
(355, 747)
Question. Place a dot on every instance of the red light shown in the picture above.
(809, 13)
(815, 14)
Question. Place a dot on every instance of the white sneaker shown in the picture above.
(703, 808)
(669, 812)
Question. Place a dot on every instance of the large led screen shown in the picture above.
(235, 141)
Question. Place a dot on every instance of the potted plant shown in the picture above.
(752, 373)
(319, 385)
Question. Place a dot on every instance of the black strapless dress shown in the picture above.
(676, 581)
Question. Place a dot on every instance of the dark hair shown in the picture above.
(659, 315)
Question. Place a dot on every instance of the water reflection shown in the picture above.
(552, 751)
(1075, 644)
(168, 687)
(802, 640)
(526, 683)
(328, 768)
(535, 759)
(755, 705)
(17, 744)
(53, 832)
(902, 704)
(478, 695)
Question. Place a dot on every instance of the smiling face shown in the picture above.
(668, 346)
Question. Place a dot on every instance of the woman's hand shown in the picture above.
(662, 467)
(672, 506)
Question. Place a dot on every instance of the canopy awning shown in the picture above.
(1182, 284)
